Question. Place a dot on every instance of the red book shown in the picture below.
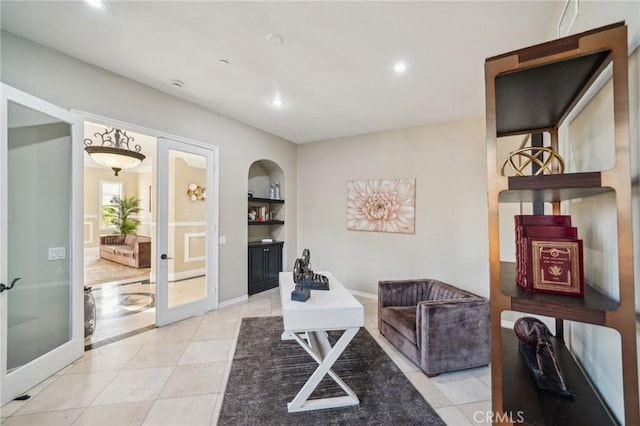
(525, 220)
(538, 232)
(556, 267)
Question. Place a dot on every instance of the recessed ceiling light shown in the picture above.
(400, 67)
(98, 4)
(277, 102)
(275, 39)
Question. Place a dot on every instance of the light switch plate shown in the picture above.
(57, 253)
(53, 253)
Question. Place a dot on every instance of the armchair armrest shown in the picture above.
(454, 326)
(142, 250)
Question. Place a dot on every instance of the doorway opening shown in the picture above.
(118, 241)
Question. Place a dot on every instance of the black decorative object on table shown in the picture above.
(299, 294)
(310, 279)
(537, 349)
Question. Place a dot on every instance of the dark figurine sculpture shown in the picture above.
(310, 279)
(537, 349)
(299, 293)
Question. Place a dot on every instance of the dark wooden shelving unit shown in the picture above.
(537, 407)
(552, 188)
(264, 258)
(592, 308)
(265, 222)
(530, 91)
(265, 200)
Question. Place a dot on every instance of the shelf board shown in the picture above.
(552, 188)
(265, 200)
(542, 95)
(591, 308)
(539, 92)
(260, 243)
(521, 394)
(265, 222)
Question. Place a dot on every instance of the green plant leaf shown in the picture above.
(118, 214)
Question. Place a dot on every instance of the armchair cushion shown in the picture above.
(403, 319)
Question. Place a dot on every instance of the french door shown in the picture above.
(41, 244)
(186, 231)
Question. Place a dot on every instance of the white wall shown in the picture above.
(591, 138)
(450, 243)
(73, 84)
(598, 348)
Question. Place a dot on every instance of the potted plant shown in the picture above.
(119, 213)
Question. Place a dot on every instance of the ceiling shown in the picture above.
(333, 69)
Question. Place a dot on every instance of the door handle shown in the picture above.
(9, 287)
(163, 256)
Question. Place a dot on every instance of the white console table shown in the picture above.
(307, 323)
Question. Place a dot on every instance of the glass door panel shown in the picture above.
(42, 313)
(186, 235)
(187, 227)
(39, 192)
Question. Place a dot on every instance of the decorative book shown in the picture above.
(549, 256)
(557, 267)
(521, 223)
(538, 232)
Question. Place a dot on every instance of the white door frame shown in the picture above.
(21, 379)
(213, 192)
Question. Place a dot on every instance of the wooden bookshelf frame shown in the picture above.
(518, 103)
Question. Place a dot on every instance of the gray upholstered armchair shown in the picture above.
(439, 327)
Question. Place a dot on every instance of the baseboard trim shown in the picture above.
(232, 301)
(91, 251)
(363, 294)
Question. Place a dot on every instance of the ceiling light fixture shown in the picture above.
(114, 151)
(277, 102)
(400, 67)
(98, 4)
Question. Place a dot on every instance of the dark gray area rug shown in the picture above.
(267, 373)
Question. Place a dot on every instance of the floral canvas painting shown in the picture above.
(381, 205)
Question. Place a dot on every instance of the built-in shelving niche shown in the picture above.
(261, 174)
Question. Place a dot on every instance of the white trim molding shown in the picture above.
(184, 224)
(184, 275)
(187, 254)
(90, 240)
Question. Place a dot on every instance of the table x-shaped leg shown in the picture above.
(317, 345)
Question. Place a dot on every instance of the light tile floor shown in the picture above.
(176, 375)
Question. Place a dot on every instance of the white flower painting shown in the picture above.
(381, 205)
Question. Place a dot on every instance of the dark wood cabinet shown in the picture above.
(265, 264)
